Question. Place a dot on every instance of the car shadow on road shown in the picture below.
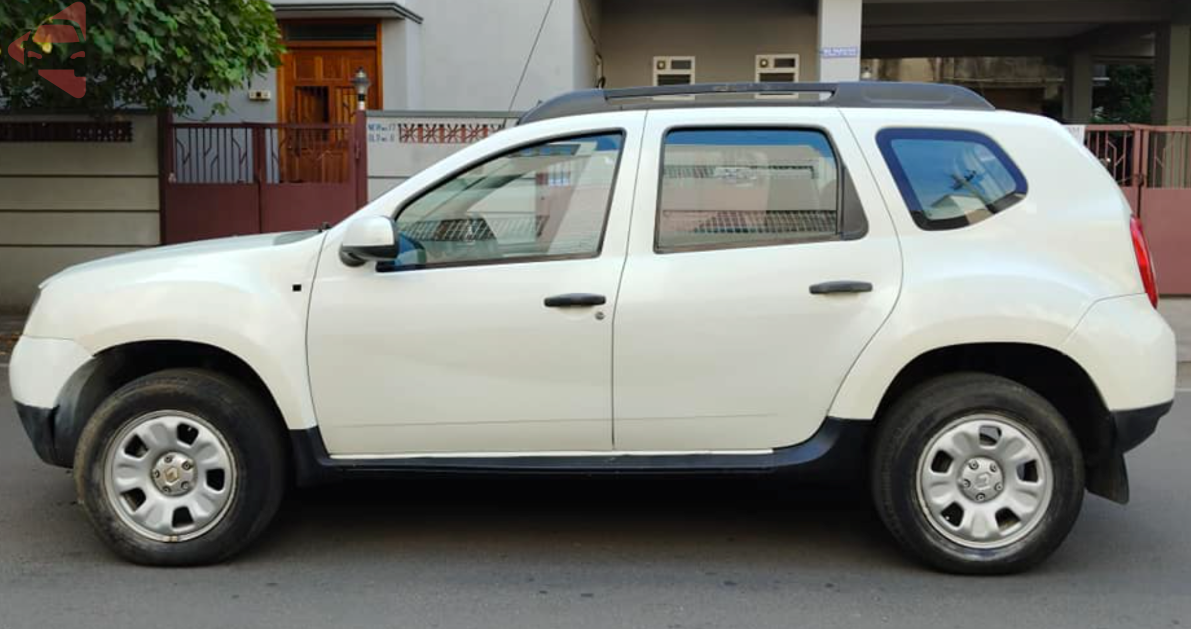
(581, 519)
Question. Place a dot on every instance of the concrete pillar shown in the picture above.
(839, 40)
(402, 44)
(1077, 89)
(1172, 71)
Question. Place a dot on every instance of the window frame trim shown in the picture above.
(392, 267)
(885, 138)
(842, 171)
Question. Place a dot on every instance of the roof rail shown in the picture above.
(861, 94)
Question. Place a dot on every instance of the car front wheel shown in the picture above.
(977, 474)
(180, 467)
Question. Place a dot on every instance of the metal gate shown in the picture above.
(1152, 164)
(250, 178)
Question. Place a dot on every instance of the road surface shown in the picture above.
(570, 554)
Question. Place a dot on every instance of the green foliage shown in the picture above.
(1128, 97)
(143, 53)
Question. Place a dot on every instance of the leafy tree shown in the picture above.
(141, 53)
(1128, 97)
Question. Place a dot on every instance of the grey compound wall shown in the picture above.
(62, 203)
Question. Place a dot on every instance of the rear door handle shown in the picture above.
(841, 286)
(571, 300)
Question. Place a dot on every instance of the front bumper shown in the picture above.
(46, 375)
(39, 425)
(40, 368)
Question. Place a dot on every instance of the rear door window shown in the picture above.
(950, 178)
(725, 188)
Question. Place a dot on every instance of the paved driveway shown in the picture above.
(566, 554)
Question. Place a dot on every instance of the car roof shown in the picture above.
(856, 94)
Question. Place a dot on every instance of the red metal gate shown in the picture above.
(249, 178)
(1152, 164)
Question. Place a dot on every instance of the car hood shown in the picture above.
(196, 250)
(101, 302)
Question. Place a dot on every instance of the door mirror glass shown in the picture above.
(369, 239)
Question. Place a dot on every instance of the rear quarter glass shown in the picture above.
(951, 178)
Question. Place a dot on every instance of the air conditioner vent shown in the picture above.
(673, 70)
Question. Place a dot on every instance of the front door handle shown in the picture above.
(841, 286)
(571, 300)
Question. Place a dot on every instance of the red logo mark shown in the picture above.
(45, 37)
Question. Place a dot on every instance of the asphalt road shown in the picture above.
(665, 553)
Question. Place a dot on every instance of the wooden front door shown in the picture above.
(314, 87)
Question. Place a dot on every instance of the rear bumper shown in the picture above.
(1107, 474)
(1135, 426)
(1129, 352)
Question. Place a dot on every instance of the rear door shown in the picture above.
(761, 261)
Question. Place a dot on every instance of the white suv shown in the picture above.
(889, 281)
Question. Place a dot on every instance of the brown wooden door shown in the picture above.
(314, 87)
(315, 83)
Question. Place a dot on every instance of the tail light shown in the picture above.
(1145, 263)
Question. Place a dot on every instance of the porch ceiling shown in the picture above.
(900, 28)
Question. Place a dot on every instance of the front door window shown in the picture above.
(540, 202)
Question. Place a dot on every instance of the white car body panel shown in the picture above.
(56, 360)
(235, 294)
(468, 359)
(1022, 276)
(727, 348)
(1134, 365)
(716, 351)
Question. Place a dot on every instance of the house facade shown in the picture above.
(507, 55)
(447, 72)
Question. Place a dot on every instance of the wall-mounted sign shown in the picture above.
(382, 132)
(839, 52)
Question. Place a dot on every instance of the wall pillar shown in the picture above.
(1077, 89)
(839, 40)
(402, 66)
(1172, 71)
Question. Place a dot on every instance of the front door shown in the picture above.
(314, 88)
(492, 331)
(720, 342)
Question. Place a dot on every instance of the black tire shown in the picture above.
(248, 426)
(906, 430)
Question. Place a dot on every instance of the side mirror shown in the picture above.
(369, 239)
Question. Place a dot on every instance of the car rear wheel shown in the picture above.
(181, 467)
(977, 474)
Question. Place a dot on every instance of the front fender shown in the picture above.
(248, 301)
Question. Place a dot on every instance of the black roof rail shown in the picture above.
(866, 94)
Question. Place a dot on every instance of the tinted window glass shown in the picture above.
(746, 187)
(950, 178)
(544, 201)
